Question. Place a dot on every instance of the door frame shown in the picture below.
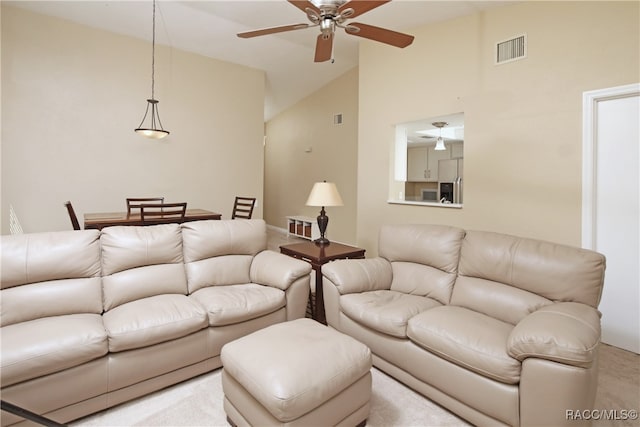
(590, 102)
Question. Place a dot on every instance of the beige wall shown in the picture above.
(523, 120)
(290, 171)
(71, 97)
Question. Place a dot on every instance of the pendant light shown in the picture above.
(440, 142)
(153, 127)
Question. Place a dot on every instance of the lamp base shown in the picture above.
(323, 221)
(322, 241)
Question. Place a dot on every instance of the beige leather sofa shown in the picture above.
(91, 319)
(500, 330)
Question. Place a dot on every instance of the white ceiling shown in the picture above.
(420, 132)
(209, 28)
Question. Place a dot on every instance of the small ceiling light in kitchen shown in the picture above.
(440, 142)
(153, 128)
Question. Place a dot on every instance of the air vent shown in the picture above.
(337, 119)
(511, 50)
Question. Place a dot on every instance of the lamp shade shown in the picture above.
(324, 194)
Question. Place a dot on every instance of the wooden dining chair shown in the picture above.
(135, 202)
(160, 213)
(72, 215)
(243, 207)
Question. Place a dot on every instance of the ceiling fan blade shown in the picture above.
(272, 30)
(303, 5)
(324, 46)
(359, 7)
(379, 34)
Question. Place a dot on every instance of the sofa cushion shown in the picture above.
(39, 257)
(140, 262)
(226, 305)
(208, 239)
(385, 311)
(422, 280)
(219, 270)
(142, 282)
(220, 252)
(152, 320)
(33, 301)
(124, 248)
(497, 300)
(555, 272)
(435, 245)
(51, 344)
(39, 268)
(467, 338)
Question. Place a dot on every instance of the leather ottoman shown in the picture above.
(297, 373)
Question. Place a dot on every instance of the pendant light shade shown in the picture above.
(153, 129)
(440, 142)
(151, 126)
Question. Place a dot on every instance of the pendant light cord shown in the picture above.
(153, 52)
(155, 130)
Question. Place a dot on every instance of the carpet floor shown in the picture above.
(198, 402)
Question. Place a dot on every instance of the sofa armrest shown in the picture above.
(359, 275)
(277, 270)
(565, 332)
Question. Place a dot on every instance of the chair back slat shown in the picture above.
(161, 213)
(243, 207)
(136, 202)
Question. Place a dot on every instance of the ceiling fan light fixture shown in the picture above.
(351, 29)
(345, 14)
(327, 26)
(312, 15)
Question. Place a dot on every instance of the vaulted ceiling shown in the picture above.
(209, 28)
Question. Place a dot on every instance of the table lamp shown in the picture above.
(324, 194)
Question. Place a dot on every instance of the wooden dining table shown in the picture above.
(107, 219)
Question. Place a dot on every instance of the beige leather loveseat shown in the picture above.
(500, 330)
(91, 319)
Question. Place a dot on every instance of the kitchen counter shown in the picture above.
(423, 203)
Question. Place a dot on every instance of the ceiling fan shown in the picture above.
(329, 14)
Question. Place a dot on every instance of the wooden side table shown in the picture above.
(317, 256)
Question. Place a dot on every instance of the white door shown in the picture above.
(611, 214)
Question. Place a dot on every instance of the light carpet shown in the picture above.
(198, 402)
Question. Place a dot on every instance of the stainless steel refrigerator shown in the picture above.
(450, 180)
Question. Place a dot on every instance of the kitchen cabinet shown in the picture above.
(417, 164)
(422, 162)
(457, 150)
(433, 158)
(450, 170)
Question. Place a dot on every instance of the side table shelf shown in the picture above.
(303, 226)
